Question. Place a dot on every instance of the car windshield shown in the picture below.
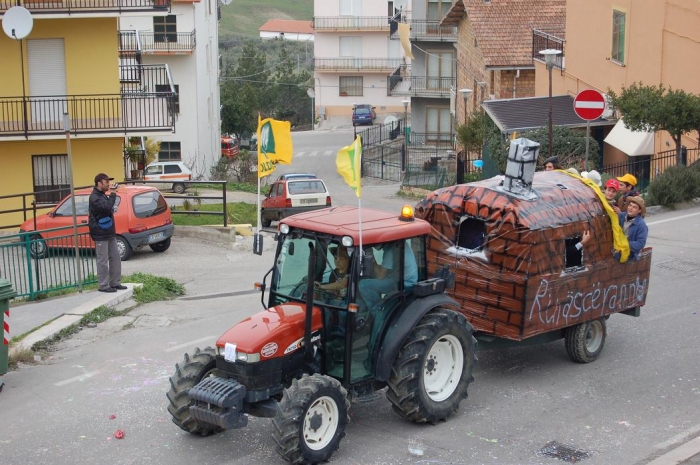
(154, 169)
(306, 187)
(362, 111)
(150, 203)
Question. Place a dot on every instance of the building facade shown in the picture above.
(287, 29)
(186, 41)
(353, 55)
(613, 44)
(68, 68)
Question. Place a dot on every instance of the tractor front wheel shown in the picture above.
(311, 419)
(432, 372)
(189, 373)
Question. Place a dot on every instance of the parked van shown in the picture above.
(175, 171)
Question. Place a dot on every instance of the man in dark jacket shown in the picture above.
(103, 232)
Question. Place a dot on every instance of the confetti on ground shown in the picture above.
(112, 416)
(119, 434)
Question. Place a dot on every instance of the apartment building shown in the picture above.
(430, 80)
(186, 41)
(68, 64)
(353, 54)
(611, 44)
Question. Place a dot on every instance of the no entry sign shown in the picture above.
(589, 104)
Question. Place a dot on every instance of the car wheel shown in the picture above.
(179, 188)
(125, 249)
(161, 246)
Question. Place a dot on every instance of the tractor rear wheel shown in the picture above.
(432, 372)
(311, 419)
(188, 373)
(584, 342)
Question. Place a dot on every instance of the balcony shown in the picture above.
(137, 43)
(401, 83)
(357, 64)
(430, 31)
(78, 7)
(351, 23)
(146, 104)
(543, 41)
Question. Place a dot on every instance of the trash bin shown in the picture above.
(407, 134)
(6, 293)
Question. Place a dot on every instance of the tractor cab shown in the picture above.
(355, 292)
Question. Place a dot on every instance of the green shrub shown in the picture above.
(676, 184)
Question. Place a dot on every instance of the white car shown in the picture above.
(175, 171)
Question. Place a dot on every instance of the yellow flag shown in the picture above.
(620, 241)
(404, 33)
(274, 145)
(349, 164)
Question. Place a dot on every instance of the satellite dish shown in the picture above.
(17, 22)
(392, 120)
(226, 2)
(311, 93)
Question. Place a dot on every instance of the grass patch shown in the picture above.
(238, 213)
(154, 287)
(230, 187)
(21, 355)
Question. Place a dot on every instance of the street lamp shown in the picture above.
(405, 111)
(465, 95)
(549, 56)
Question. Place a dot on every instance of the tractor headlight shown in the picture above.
(284, 228)
(347, 241)
(247, 358)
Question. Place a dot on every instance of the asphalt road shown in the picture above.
(640, 398)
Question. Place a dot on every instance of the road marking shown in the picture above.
(314, 153)
(328, 152)
(76, 378)
(672, 219)
(299, 154)
(189, 344)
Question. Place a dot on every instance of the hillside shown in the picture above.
(244, 17)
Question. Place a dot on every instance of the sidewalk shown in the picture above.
(48, 317)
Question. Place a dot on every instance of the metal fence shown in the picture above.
(353, 23)
(383, 162)
(646, 168)
(543, 41)
(86, 6)
(378, 134)
(36, 265)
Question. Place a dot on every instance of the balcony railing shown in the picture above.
(428, 30)
(137, 43)
(543, 41)
(351, 23)
(146, 104)
(401, 83)
(49, 7)
(357, 64)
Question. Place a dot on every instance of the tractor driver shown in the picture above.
(337, 285)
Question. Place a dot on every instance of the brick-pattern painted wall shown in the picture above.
(506, 80)
(517, 286)
(470, 69)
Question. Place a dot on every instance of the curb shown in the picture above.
(74, 316)
(680, 454)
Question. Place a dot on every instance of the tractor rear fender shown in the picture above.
(401, 324)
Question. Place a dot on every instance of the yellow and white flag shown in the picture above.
(274, 145)
(404, 38)
(349, 164)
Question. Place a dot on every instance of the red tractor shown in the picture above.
(332, 332)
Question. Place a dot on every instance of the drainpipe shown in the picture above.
(515, 82)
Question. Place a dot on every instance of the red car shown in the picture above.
(141, 214)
